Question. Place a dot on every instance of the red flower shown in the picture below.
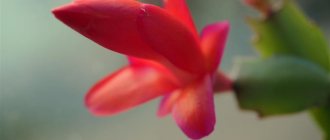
(167, 58)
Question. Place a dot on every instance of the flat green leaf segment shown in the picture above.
(288, 31)
(281, 85)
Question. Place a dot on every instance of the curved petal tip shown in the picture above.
(194, 110)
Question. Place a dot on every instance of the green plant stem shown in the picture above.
(322, 117)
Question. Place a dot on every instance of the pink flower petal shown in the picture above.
(127, 88)
(169, 37)
(214, 38)
(194, 110)
(167, 103)
(180, 10)
(181, 77)
(110, 23)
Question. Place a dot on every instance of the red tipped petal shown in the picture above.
(194, 110)
(127, 88)
(167, 103)
(214, 38)
(180, 10)
(222, 83)
(110, 23)
(169, 37)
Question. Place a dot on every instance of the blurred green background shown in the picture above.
(46, 68)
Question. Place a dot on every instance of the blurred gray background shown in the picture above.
(46, 68)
